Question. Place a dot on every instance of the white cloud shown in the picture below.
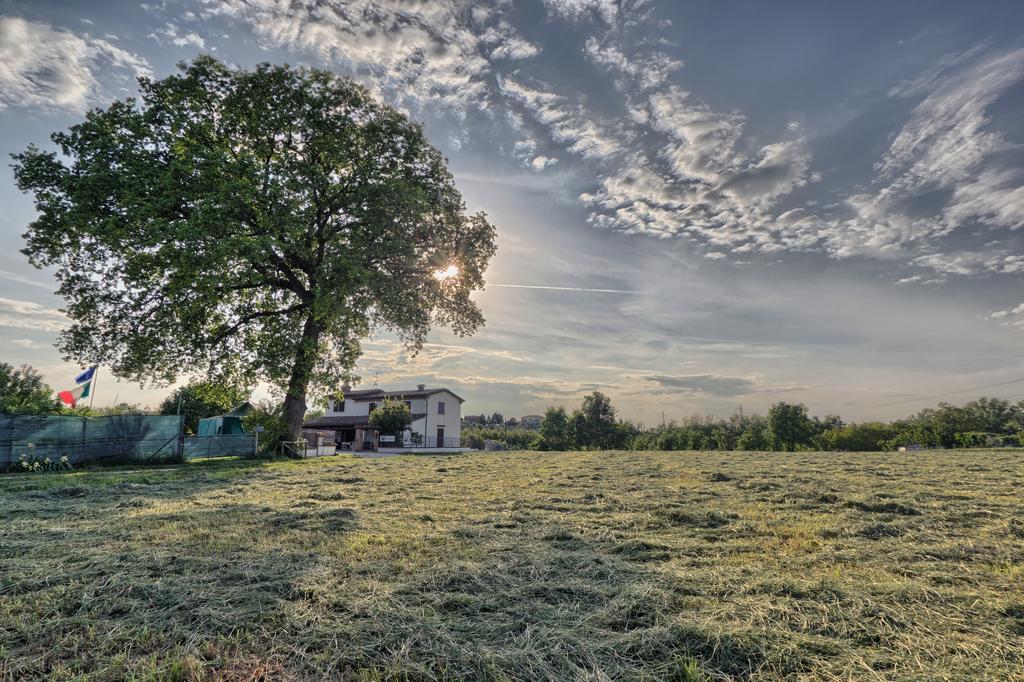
(541, 162)
(665, 163)
(972, 262)
(947, 145)
(507, 43)
(26, 343)
(515, 48)
(170, 32)
(47, 67)
(946, 137)
(1014, 317)
(568, 124)
(578, 9)
(646, 72)
(780, 168)
(995, 197)
(30, 315)
(702, 142)
(422, 53)
(1001, 314)
(700, 184)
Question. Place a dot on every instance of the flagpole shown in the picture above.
(92, 386)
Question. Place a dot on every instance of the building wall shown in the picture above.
(361, 408)
(451, 420)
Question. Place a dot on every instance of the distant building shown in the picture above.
(531, 421)
(436, 416)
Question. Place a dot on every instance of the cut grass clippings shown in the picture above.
(520, 565)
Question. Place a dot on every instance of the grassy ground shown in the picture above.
(520, 565)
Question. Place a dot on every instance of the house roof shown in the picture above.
(378, 393)
(354, 422)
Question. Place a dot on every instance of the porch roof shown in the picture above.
(353, 422)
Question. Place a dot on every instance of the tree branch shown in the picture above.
(246, 319)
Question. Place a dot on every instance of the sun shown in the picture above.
(447, 273)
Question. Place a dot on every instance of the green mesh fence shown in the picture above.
(129, 437)
(222, 445)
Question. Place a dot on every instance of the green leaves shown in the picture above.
(261, 222)
(202, 399)
(391, 417)
(23, 391)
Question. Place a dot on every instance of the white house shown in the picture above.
(436, 415)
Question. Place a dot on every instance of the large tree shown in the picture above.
(555, 432)
(789, 426)
(594, 423)
(261, 222)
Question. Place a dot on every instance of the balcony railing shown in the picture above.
(432, 442)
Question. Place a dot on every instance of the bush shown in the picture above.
(270, 415)
(515, 439)
(34, 464)
(866, 437)
(391, 418)
(977, 439)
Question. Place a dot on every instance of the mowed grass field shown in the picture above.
(595, 565)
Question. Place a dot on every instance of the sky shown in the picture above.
(701, 206)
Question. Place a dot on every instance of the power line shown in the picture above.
(933, 396)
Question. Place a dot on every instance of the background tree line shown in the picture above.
(986, 422)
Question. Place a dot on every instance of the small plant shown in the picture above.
(31, 463)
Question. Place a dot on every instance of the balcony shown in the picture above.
(432, 442)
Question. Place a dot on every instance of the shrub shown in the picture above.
(392, 417)
(270, 415)
(34, 464)
(866, 437)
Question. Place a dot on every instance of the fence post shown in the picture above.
(181, 433)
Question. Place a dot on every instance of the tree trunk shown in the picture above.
(298, 383)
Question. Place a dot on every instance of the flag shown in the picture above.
(71, 397)
(86, 375)
(84, 388)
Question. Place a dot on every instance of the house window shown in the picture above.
(339, 405)
(408, 403)
(373, 406)
(440, 407)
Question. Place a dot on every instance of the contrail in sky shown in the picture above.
(547, 288)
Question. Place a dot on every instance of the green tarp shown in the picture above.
(220, 426)
(133, 437)
(224, 445)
